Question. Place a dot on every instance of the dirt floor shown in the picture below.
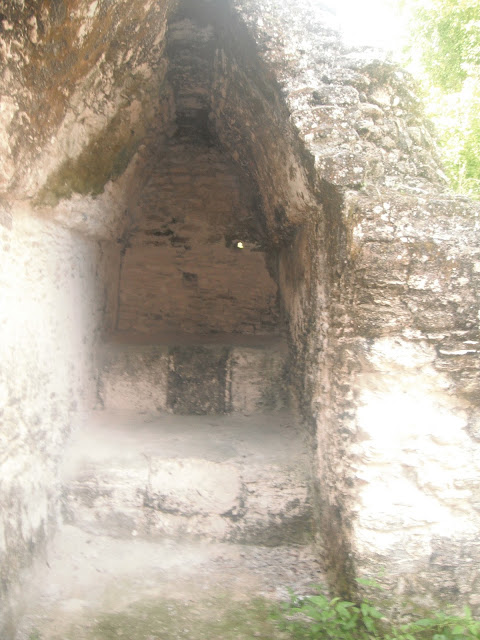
(100, 588)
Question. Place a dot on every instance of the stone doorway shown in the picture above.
(137, 134)
(195, 448)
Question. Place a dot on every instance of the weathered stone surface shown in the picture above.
(116, 572)
(258, 378)
(49, 305)
(233, 479)
(408, 310)
(181, 269)
(81, 86)
(375, 264)
(416, 462)
(133, 378)
(196, 378)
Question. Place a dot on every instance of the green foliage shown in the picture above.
(440, 626)
(313, 617)
(457, 117)
(317, 617)
(444, 51)
(448, 34)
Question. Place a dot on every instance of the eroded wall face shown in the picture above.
(80, 84)
(182, 269)
(377, 270)
(393, 387)
(69, 118)
(49, 315)
(412, 363)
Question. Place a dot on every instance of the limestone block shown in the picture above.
(197, 380)
(134, 378)
(194, 487)
(232, 478)
(257, 378)
(193, 378)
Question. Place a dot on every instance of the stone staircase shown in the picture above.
(241, 479)
(193, 441)
(185, 485)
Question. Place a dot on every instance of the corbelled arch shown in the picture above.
(335, 181)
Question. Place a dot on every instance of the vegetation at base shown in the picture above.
(312, 617)
(444, 52)
(318, 617)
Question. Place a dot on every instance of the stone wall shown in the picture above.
(81, 81)
(181, 268)
(50, 312)
(395, 398)
(413, 368)
(212, 377)
(377, 266)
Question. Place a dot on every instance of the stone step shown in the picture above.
(194, 375)
(220, 478)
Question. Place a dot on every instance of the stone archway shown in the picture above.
(185, 211)
(363, 264)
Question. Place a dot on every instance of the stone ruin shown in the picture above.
(214, 208)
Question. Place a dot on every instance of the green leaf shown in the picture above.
(458, 630)
(424, 622)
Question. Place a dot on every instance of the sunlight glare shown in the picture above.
(371, 23)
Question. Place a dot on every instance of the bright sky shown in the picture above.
(375, 23)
